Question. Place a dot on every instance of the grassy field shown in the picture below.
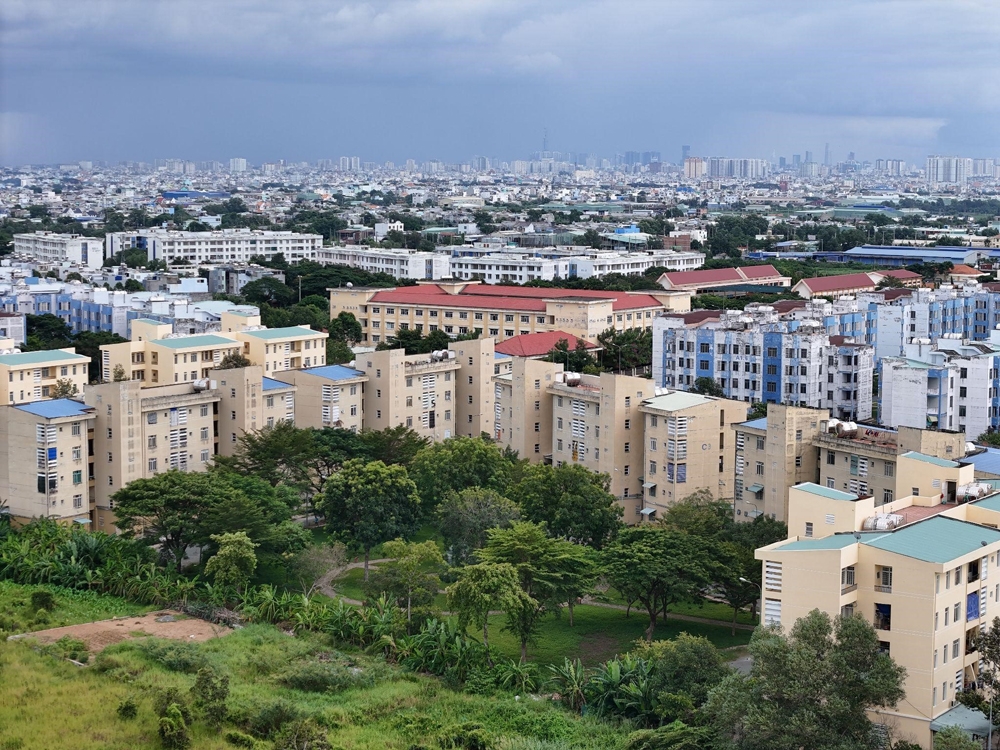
(708, 609)
(46, 703)
(72, 607)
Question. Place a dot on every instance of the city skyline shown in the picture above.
(392, 81)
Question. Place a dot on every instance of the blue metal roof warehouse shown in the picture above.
(904, 255)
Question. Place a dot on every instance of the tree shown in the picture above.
(338, 352)
(280, 454)
(345, 326)
(235, 561)
(708, 387)
(233, 360)
(410, 573)
(370, 503)
(578, 360)
(590, 238)
(64, 388)
(571, 500)
(758, 410)
(393, 445)
(811, 688)
(455, 464)
(131, 285)
(165, 509)
(173, 729)
(210, 692)
(546, 568)
(313, 562)
(484, 588)
(658, 567)
(268, 291)
(118, 374)
(686, 665)
(955, 738)
(464, 518)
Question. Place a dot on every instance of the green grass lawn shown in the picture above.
(708, 609)
(598, 633)
(349, 585)
(72, 608)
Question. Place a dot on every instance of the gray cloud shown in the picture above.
(307, 79)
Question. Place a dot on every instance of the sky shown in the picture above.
(303, 80)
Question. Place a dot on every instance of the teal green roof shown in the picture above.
(280, 333)
(938, 539)
(931, 459)
(837, 541)
(38, 358)
(206, 339)
(150, 321)
(828, 492)
(991, 502)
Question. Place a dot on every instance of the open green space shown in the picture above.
(359, 701)
(18, 613)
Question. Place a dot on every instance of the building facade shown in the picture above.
(33, 376)
(218, 246)
(50, 247)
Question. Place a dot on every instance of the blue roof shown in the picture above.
(334, 372)
(988, 461)
(270, 384)
(57, 407)
(755, 424)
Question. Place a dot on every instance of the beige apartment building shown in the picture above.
(51, 436)
(919, 569)
(796, 444)
(688, 446)
(157, 356)
(522, 412)
(499, 312)
(248, 402)
(141, 431)
(32, 376)
(328, 396)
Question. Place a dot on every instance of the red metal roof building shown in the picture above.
(538, 344)
(714, 278)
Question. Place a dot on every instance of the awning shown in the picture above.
(972, 721)
(647, 485)
(81, 520)
(755, 488)
(648, 511)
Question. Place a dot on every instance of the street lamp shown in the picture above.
(760, 615)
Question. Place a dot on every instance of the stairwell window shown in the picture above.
(809, 528)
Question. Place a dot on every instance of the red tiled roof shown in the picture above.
(787, 305)
(538, 344)
(891, 294)
(963, 270)
(490, 297)
(760, 272)
(835, 283)
(696, 316)
(900, 273)
(705, 276)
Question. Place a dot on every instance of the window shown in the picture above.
(628, 424)
(760, 443)
(77, 477)
(954, 649)
(831, 458)
(798, 462)
(152, 464)
(151, 417)
(886, 496)
(76, 453)
(75, 429)
(759, 468)
(628, 447)
(809, 528)
(890, 469)
(204, 433)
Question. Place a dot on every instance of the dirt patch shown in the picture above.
(99, 635)
(597, 647)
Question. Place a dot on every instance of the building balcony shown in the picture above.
(850, 588)
(883, 589)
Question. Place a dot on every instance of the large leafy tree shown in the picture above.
(167, 509)
(548, 570)
(410, 575)
(571, 500)
(457, 463)
(268, 291)
(658, 567)
(393, 445)
(368, 503)
(686, 665)
(484, 588)
(811, 688)
(465, 517)
(235, 561)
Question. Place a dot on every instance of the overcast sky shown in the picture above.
(449, 79)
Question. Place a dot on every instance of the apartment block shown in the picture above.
(289, 348)
(327, 396)
(499, 312)
(753, 355)
(689, 446)
(141, 431)
(53, 437)
(918, 569)
(218, 246)
(794, 445)
(33, 376)
(597, 423)
(55, 248)
(522, 412)
(397, 262)
(249, 401)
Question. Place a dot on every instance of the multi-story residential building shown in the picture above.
(328, 396)
(793, 445)
(156, 355)
(753, 355)
(53, 437)
(954, 385)
(218, 246)
(13, 330)
(523, 407)
(397, 262)
(498, 312)
(230, 279)
(248, 402)
(688, 446)
(518, 266)
(948, 169)
(33, 376)
(50, 247)
(918, 569)
(141, 431)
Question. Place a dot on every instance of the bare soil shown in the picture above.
(99, 635)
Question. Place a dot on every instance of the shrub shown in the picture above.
(68, 648)
(267, 719)
(467, 736)
(173, 729)
(177, 656)
(164, 699)
(302, 734)
(128, 709)
(239, 739)
(320, 677)
(43, 600)
(210, 692)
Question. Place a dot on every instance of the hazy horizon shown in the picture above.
(304, 80)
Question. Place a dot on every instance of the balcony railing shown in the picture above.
(848, 589)
(883, 589)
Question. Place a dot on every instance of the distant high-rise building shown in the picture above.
(411, 165)
(850, 156)
(632, 158)
(685, 153)
(826, 155)
(809, 157)
(648, 157)
(983, 167)
(345, 163)
(694, 167)
(796, 159)
(355, 163)
(237, 165)
(948, 169)
(782, 162)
